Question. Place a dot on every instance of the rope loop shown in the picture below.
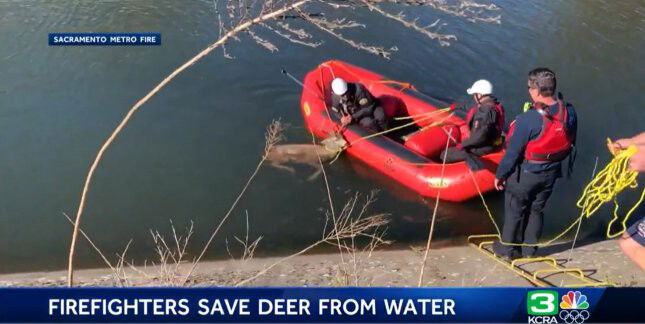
(604, 187)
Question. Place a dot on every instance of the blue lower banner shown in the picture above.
(451, 305)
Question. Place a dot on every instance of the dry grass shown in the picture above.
(272, 137)
(350, 272)
(248, 247)
(347, 227)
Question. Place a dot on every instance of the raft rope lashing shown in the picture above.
(433, 124)
(604, 187)
(431, 113)
(377, 134)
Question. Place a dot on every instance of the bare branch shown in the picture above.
(291, 39)
(340, 23)
(263, 42)
(321, 24)
(443, 39)
(468, 9)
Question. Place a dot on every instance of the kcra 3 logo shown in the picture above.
(542, 307)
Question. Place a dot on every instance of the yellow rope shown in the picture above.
(402, 126)
(423, 114)
(605, 186)
(623, 223)
(614, 178)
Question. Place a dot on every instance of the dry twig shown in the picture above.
(348, 227)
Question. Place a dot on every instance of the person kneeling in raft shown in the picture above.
(485, 122)
(355, 104)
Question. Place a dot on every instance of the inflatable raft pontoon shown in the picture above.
(408, 155)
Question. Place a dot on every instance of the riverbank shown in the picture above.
(450, 266)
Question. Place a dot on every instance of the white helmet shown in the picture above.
(482, 87)
(339, 86)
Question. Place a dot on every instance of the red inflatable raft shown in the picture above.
(409, 155)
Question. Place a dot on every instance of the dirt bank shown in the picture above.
(451, 266)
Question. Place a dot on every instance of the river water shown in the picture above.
(187, 153)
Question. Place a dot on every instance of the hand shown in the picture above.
(500, 184)
(612, 147)
(623, 143)
(345, 120)
(615, 147)
(637, 161)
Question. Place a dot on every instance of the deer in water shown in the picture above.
(309, 154)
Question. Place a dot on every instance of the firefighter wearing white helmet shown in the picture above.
(481, 87)
(485, 123)
(339, 86)
(353, 103)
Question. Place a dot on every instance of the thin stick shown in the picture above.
(96, 248)
(573, 244)
(124, 121)
(267, 269)
(434, 213)
(331, 201)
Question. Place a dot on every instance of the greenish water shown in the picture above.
(187, 153)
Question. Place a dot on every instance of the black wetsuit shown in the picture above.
(361, 105)
(485, 133)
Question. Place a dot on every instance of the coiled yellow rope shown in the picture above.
(616, 177)
(604, 187)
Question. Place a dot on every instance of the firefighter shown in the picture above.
(538, 141)
(485, 121)
(355, 104)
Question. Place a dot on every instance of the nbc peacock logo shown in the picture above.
(574, 307)
(574, 300)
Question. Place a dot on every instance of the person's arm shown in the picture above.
(636, 140)
(460, 110)
(336, 105)
(362, 112)
(573, 125)
(364, 101)
(516, 145)
(637, 161)
(623, 143)
(484, 126)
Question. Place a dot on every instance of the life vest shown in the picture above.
(500, 119)
(553, 143)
